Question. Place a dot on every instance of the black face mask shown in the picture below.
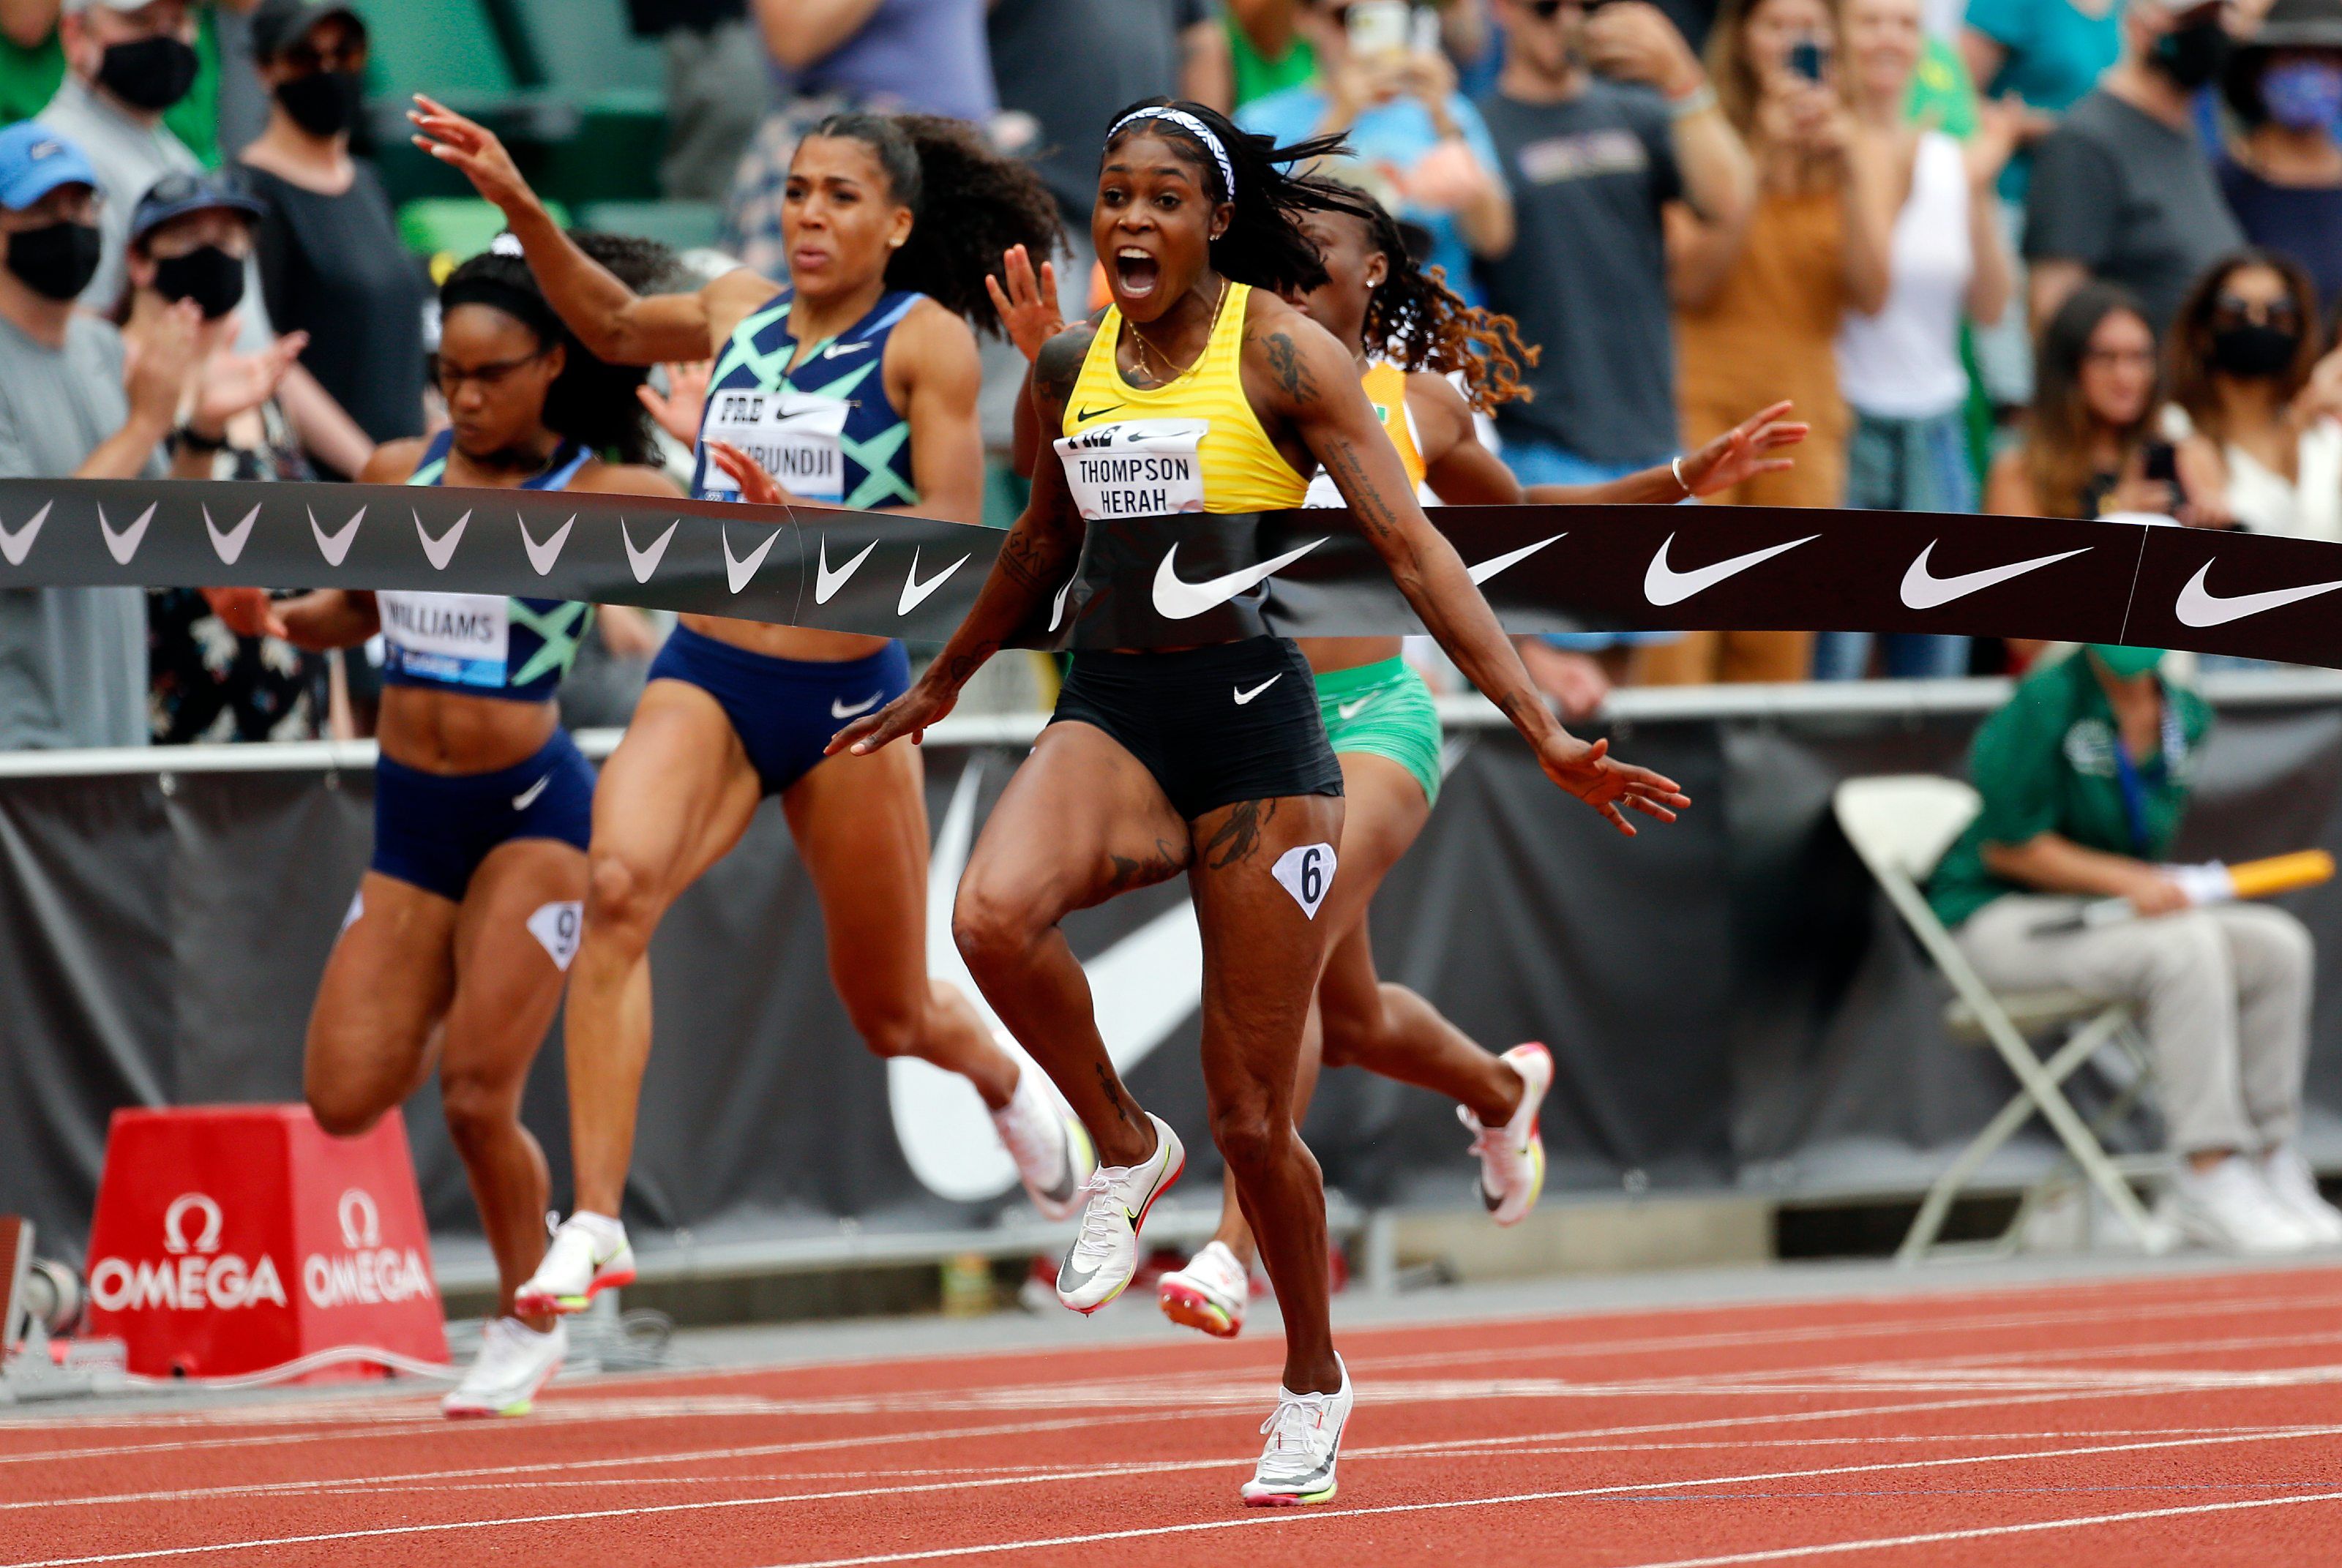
(2254, 348)
(57, 262)
(323, 102)
(149, 73)
(209, 276)
(2193, 54)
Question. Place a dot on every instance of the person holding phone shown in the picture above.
(1384, 87)
(1755, 320)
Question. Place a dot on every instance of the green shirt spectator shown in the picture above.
(29, 79)
(2048, 762)
(1257, 75)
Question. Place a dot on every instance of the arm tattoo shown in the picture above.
(1292, 373)
(1059, 366)
(1376, 516)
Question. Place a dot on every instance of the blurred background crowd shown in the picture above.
(2047, 258)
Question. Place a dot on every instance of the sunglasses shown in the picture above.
(2270, 312)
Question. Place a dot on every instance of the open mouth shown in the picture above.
(1135, 272)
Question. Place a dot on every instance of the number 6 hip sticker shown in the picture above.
(1306, 871)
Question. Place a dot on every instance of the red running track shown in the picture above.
(2141, 1422)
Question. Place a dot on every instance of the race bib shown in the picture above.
(1139, 468)
(794, 435)
(457, 639)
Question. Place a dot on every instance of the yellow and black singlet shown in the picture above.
(1171, 481)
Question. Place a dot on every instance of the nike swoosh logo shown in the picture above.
(1147, 985)
(2199, 606)
(1243, 697)
(841, 710)
(914, 593)
(1923, 590)
(1068, 1280)
(1057, 606)
(737, 572)
(227, 546)
(1177, 599)
(1495, 564)
(826, 582)
(442, 550)
(124, 544)
(1349, 710)
(1664, 585)
(527, 797)
(335, 547)
(15, 547)
(1082, 414)
(543, 557)
(835, 349)
(643, 562)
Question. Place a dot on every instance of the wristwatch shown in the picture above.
(187, 438)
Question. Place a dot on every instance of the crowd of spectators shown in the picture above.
(2058, 258)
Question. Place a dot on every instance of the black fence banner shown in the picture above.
(1174, 581)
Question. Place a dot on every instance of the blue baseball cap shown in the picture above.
(34, 161)
(174, 195)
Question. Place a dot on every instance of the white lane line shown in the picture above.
(1985, 1532)
(1624, 1488)
(1307, 1515)
(1641, 1429)
(649, 1407)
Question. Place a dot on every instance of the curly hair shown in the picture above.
(2189, 346)
(1263, 243)
(592, 402)
(1418, 323)
(968, 205)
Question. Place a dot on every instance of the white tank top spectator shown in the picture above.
(1900, 370)
(2258, 420)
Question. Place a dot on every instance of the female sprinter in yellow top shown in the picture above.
(1211, 757)
(890, 224)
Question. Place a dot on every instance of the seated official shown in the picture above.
(2085, 776)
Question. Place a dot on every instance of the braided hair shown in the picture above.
(968, 205)
(592, 402)
(1418, 323)
(1264, 244)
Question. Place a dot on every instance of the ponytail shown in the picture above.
(968, 205)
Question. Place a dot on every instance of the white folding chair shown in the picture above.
(1901, 825)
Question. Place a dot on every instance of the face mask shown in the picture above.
(2193, 54)
(57, 262)
(2303, 94)
(323, 102)
(149, 73)
(210, 277)
(2126, 662)
(2254, 348)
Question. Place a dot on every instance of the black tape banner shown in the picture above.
(1180, 580)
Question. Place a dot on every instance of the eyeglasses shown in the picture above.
(1547, 10)
(451, 378)
(2278, 313)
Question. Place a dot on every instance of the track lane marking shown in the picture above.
(1623, 1489)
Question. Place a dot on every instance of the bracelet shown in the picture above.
(1698, 101)
(1674, 467)
(186, 437)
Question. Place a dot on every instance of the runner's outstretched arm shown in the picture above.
(1035, 562)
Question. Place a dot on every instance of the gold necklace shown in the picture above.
(1174, 373)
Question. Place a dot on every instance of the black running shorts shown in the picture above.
(1215, 725)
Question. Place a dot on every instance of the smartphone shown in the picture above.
(2162, 466)
(1378, 28)
(1809, 58)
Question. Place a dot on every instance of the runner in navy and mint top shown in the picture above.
(469, 914)
(856, 386)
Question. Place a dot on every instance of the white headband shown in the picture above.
(1193, 127)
